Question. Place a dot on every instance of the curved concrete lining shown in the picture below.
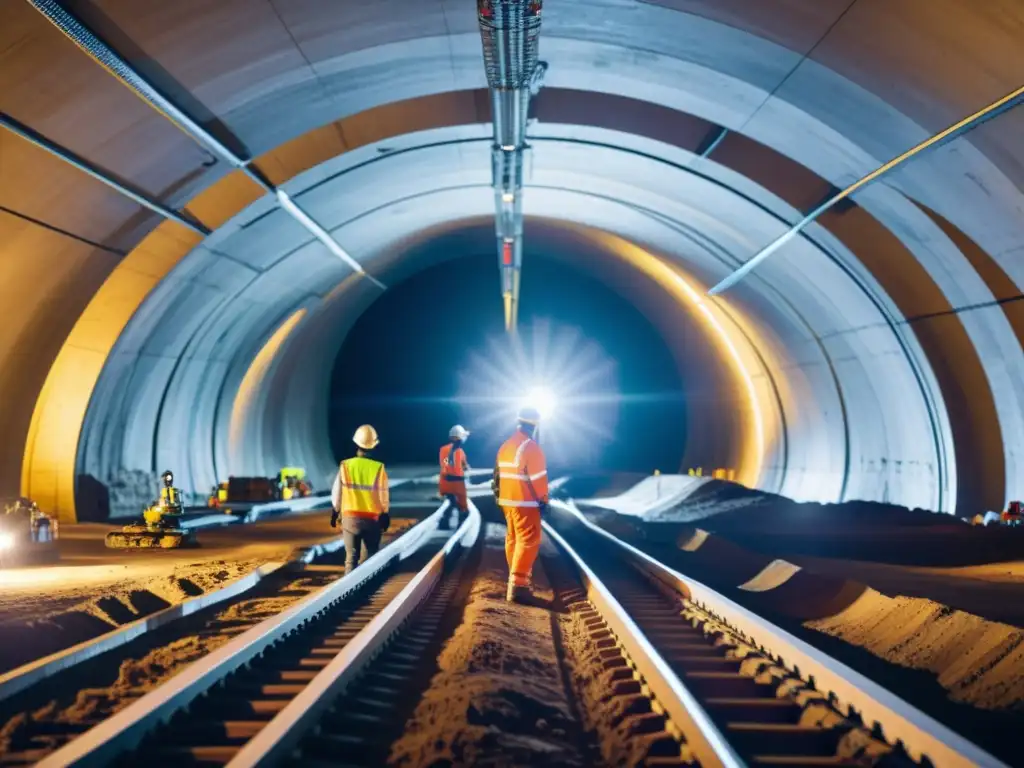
(336, 190)
(836, 113)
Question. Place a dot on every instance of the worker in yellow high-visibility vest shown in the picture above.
(360, 497)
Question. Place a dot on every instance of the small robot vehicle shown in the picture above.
(160, 527)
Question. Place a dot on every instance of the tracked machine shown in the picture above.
(160, 527)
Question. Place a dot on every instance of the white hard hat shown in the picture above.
(366, 437)
(458, 432)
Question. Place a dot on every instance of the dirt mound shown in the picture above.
(35, 632)
(723, 505)
(979, 662)
(498, 699)
(855, 530)
(729, 562)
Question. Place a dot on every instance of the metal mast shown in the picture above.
(510, 32)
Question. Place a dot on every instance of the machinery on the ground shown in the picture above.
(289, 483)
(1013, 514)
(292, 483)
(218, 496)
(27, 534)
(160, 527)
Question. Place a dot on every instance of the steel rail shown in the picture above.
(126, 729)
(708, 744)
(34, 672)
(920, 735)
(284, 732)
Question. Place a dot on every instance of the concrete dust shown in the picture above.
(498, 698)
(979, 662)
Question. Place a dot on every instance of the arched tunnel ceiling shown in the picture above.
(897, 320)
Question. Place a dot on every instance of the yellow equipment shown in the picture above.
(159, 528)
(292, 483)
(218, 497)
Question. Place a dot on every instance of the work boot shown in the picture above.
(518, 594)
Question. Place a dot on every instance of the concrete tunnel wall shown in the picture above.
(942, 236)
(355, 195)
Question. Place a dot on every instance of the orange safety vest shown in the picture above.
(453, 464)
(522, 473)
(364, 488)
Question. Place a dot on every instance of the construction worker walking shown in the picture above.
(360, 496)
(451, 480)
(521, 483)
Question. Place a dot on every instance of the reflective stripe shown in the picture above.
(363, 487)
(519, 466)
(519, 452)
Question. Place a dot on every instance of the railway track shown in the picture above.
(751, 694)
(48, 705)
(663, 672)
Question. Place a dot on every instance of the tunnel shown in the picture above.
(168, 310)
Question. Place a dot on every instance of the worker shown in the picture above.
(454, 466)
(170, 497)
(521, 484)
(360, 497)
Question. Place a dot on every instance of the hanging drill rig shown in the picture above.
(510, 32)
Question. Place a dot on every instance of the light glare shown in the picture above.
(543, 399)
(557, 371)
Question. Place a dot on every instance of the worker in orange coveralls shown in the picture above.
(521, 487)
(454, 465)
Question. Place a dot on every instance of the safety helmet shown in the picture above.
(528, 415)
(366, 437)
(458, 432)
(167, 477)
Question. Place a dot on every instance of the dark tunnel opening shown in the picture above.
(443, 327)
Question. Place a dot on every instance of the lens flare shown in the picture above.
(543, 399)
(571, 381)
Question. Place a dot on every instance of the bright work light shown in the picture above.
(542, 399)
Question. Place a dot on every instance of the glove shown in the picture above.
(334, 518)
(385, 521)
